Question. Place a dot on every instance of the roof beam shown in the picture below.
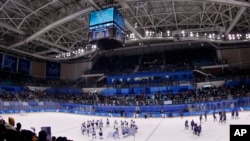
(33, 12)
(128, 25)
(39, 39)
(175, 17)
(51, 26)
(26, 53)
(4, 5)
(235, 20)
(11, 28)
(52, 44)
(231, 2)
(47, 51)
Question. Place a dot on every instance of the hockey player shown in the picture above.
(93, 133)
(87, 130)
(215, 118)
(198, 130)
(116, 133)
(126, 124)
(92, 123)
(107, 122)
(97, 123)
(236, 114)
(122, 124)
(124, 131)
(192, 124)
(221, 117)
(224, 117)
(132, 124)
(195, 129)
(136, 127)
(100, 123)
(101, 133)
(205, 116)
(186, 124)
(115, 124)
(200, 118)
(83, 128)
(232, 114)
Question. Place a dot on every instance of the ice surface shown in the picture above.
(150, 129)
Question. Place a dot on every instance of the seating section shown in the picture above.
(176, 60)
(114, 65)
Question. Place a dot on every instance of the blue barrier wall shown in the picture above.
(237, 83)
(12, 89)
(128, 111)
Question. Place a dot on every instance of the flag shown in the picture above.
(10, 63)
(131, 131)
(24, 66)
(53, 70)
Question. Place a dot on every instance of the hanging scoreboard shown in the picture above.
(106, 28)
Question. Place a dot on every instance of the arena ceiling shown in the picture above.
(45, 28)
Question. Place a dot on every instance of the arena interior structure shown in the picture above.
(175, 57)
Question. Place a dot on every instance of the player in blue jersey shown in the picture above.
(186, 124)
(192, 124)
(215, 118)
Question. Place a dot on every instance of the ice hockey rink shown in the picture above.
(149, 129)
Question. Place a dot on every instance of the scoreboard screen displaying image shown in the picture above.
(118, 19)
(106, 26)
(101, 16)
(105, 16)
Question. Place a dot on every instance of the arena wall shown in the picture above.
(237, 57)
(38, 69)
(74, 71)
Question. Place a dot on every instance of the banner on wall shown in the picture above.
(1, 60)
(24, 66)
(10, 63)
(53, 70)
(166, 102)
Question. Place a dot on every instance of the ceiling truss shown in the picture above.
(38, 28)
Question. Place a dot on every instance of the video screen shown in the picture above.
(101, 16)
(118, 19)
(104, 16)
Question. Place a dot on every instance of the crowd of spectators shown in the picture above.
(190, 96)
(11, 131)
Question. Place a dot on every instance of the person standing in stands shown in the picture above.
(18, 127)
(53, 138)
(42, 136)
